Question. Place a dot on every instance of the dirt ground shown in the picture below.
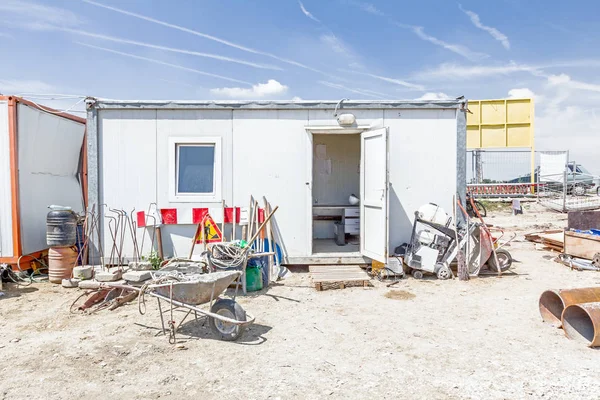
(424, 339)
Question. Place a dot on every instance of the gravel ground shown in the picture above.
(423, 339)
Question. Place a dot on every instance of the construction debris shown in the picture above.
(578, 264)
(109, 276)
(83, 272)
(137, 276)
(582, 244)
(553, 240)
(71, 283)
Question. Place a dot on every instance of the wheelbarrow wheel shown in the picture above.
(417, 274)
(229, 309)
(504, 259)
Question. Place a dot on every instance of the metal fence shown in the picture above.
(558, 183)
(498, 166)
(500, 173)
(566, 186)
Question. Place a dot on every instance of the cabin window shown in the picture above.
(195, 169)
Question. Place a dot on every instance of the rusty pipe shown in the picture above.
(553, 302)
(581, 322)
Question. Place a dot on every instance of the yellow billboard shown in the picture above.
(505, 123)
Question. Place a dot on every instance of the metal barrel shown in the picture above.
(553, 302)
(61, 261)
(61, 228)
(581, 322)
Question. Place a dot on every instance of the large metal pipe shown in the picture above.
(553, 302)
(582, 322)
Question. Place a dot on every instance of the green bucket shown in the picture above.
(254, 280)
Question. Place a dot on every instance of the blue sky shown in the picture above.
(316, 50)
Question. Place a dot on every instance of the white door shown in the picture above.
(374, 194)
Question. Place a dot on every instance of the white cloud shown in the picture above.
(449, 71)
(521, 93)
(495, 33)
(307, 13)
(336, 45)
(389, 80)
(572, 128)
(363, 92)
(558, 79)
(6, 35)
(271, 88)
(154, 61)
(565, 80)
(367, 7)
(36, 16)
(171, 49)
(296, 98)
(455, 48)
(434, 96)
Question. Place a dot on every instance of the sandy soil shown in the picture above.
(423, 339)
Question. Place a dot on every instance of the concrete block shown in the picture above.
(137, 276)
(71, 283)
(140, 266)
(83, 272)
(108, 276)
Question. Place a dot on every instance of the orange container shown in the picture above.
(61, 261)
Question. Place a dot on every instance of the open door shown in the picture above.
(374, 184)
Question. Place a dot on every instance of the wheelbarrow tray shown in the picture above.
(199, 290)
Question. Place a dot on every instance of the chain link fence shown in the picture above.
(565, 185)
(549, 176)
(500, 173)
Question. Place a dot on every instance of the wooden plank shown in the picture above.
(335, 271)
(340, 276)
(339, 279)
(324, 269)
(581, 245)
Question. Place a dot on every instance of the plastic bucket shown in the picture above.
(254, 280)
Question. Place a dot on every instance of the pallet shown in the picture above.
(338, 276)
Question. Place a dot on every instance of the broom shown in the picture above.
(463, 270)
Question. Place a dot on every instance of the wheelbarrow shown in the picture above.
(503, 260)
(226, 317)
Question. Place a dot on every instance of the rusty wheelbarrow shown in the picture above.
(226, 317)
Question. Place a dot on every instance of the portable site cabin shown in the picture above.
(394, 155)
(41, 163)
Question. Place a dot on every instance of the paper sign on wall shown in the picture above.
(324, 167)
(321, 151)
(244, 217)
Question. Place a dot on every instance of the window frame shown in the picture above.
(174, 195)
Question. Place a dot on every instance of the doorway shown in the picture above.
(335, 178)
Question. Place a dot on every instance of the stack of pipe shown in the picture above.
(576, 310)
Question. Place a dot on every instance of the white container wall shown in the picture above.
(49, 157)
(265, 151)
(6, 239)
